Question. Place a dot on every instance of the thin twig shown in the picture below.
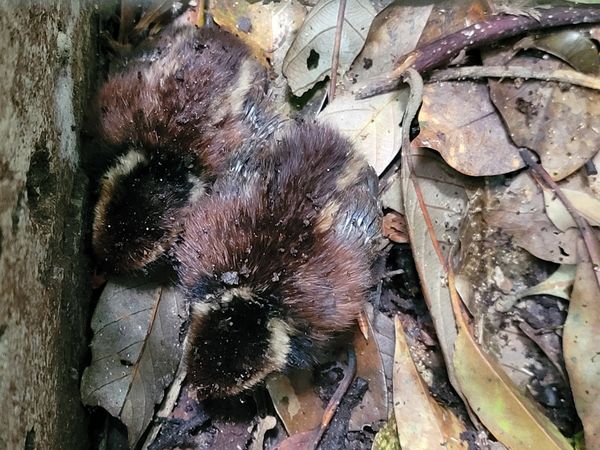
(477, 35)
(412, 107)
(337, 398)
(560, 75)
(541, 176)
(335, 61)
(200, 18)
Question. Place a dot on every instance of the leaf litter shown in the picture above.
(498, 297)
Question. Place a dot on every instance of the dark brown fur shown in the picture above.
(265, 229)
(185, 102)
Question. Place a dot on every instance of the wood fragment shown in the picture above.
(526, 73)
(477, 35)
(335, 62)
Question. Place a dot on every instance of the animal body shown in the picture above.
(278, 261)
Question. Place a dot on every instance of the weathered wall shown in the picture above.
(45, 60)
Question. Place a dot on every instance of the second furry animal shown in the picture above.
(278, 261)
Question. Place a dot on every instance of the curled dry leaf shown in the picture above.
(394, 227)
(315, 42)
(372, 125)
(560, 123)
(580, 345)
(135, 351)
(458, 120)
(421, 422)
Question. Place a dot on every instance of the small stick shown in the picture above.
(335, 62)
(494, 28)
(337, 398)
(200, 13)
(560, 75)
(540, 175)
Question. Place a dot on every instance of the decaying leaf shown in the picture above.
(394, 227)
(581, 351)
(560, 124)
(372, 125)
(309, 58)
(135, 351)
(458, 120)
(264, 424)
(558, 284)
(421, 422)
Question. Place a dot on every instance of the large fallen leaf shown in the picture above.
(519, 212)
(458, 120)
(510, 416)
(443, 191)
(135, 351)
(387, 437)
(372, 125)
(421, 422)
(560, 124)
(582, 352)
(315, 42)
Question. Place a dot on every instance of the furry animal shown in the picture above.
(279, 259)
(172, 116)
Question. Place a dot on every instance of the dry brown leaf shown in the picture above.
(510, 416)
(369, 366)
(560, 124)
(444, 194)
(458, 120)
(315, 40)
(421, 422)
(519, 212)
(394, 33)
(394, 227)
(295, 401)
(581, 351)
(372, 125)
(135, 351)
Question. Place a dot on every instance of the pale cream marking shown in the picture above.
(350, 173)
(326, 217)
(124, 165)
